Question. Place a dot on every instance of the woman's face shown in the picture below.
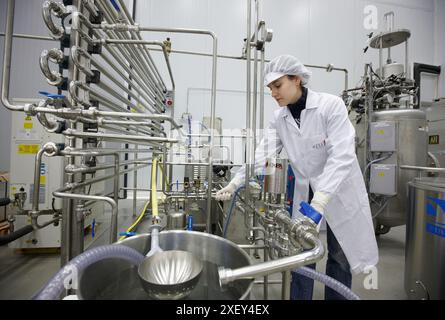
(286, 90)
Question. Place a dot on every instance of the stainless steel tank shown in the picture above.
(115, 279)
(425, 239)
(392, 69)
(435, 115)
(412, 149)
(275, 176)
(176, 220)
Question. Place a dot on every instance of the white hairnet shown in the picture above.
(285, 65)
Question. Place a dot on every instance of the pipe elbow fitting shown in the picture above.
(54, 78)
(49, 9)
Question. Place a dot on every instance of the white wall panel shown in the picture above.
(26, 77)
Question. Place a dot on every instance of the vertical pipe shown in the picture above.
(253, 115)
(266, 278)
(163, 170)
(262, 87)
(407, 69)
(133, 14)
(170, 169)
(254, 108)
(71, 238)
(381, 58)
(135, 182)
(113, 231)
(285, 289)
(36, 189)
(389, 18)
(212, 134)
(255, 87)
(248, 107)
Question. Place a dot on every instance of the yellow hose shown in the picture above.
(154, 194)
(154, 198)
(162, 176)
(137, 220)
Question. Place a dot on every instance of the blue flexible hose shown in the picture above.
(229, 216)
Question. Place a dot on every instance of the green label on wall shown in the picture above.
(434, 139)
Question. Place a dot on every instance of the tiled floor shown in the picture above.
(23, 275)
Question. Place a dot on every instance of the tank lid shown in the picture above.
(437, 182)
(389, 39)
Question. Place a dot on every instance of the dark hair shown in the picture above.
(293, 77)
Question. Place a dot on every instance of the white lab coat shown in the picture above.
(322, 154)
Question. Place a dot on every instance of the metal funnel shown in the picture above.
(170, 274)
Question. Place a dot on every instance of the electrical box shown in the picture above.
(27, 137)
(382, 136)
(383, 179)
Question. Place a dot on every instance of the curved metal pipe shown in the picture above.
(435, 159)
(36, 189)
(48, 149)
(49, 125)
(54, 78)
(227, 275)
(77, 51)
(37, 226)
(73, 93)
(7, 58)
(59, 10)
(110, 201)
(152, 101)
(146, 60)
(213, 99)
(137, 56)
(143, 42)
(75, 57)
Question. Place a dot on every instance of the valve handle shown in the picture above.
(51, 95)
(307, 210)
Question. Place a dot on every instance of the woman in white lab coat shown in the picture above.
(319, 138)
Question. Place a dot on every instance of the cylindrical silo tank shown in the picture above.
(425, 239)
(411, 148)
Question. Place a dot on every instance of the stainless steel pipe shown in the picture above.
(7, 51)
(227, 275)
(111, 202)
(54, 78)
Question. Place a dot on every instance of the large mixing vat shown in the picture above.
(117, 279)
(411, 142)
(425, 239)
